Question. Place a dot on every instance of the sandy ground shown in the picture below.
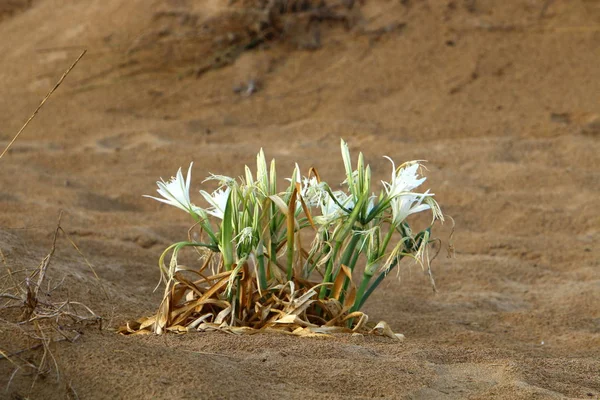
(501, 98)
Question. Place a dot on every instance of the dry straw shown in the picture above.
(32, 116)
(34, 311)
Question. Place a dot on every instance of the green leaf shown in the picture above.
(347, 165)
(226, 245)
(291, 234)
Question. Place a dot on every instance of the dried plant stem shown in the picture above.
(44, 320)
(45, 263)
(42, 103)
(89, 264)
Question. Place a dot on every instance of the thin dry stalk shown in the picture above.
(62, 78)
(71, 392)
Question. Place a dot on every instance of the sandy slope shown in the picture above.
(502, 99)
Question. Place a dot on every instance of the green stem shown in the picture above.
(262, 274)
(272, 256)
(290, 259)
(350, 249)
(328, 272)
(361, 291)
(349, 255)
(381, 205)
(386, 241)
(205, 226)
(336, 201)
(354, 260)
(339, 238)
(376, 283)
(351, 266)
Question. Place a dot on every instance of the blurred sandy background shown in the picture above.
(501, 98)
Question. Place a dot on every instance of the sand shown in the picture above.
(501, 98)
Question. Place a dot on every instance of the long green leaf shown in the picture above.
(226, 245)
(291, 234)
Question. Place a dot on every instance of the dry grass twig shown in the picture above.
(62, 78)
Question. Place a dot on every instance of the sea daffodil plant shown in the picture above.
(256, 273)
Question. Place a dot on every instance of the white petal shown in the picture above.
(175, 192)
(189, 178)
(298, 175)
(422, 207)
(159, 199)
(218, 200)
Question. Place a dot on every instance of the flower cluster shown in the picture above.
(255, 223)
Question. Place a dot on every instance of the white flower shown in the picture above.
(407, 204)
(218, 201)
(331, 211)
(313, 192)
(345, 200)
(403, 180)
(176, 191)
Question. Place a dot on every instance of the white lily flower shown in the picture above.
(218, 201)
(331, 211)
(313, 192)
(176, 191)
(403, 180)
(407, 204)
(346, 200)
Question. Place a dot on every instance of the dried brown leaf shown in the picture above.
(383, 329)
